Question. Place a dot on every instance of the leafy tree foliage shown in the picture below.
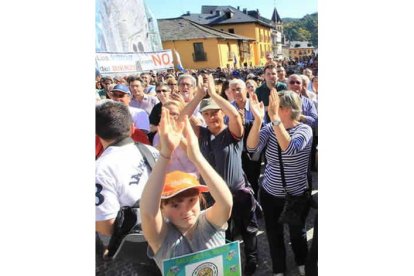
(302, 29)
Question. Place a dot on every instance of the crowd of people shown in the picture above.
(210, 131)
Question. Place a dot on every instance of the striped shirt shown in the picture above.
(295, 160)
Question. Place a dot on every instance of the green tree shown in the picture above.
(302, 29)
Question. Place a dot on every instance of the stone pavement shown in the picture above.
(127, 263)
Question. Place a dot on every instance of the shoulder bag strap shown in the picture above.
(282, 170)
(146, 153)
(148, 159)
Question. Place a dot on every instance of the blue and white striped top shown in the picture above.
(295, 160)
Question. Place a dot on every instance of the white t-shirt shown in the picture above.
(120, 176)
(140, 118)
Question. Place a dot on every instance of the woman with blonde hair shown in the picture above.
(288, 146)
(179, 157)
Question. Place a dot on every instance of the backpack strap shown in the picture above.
(146, 153)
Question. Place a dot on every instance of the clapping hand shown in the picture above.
(211, 85)
(274, 103)
(200, 86)
(170, 132)
(257, 108)
(177, 97)
(193, 149)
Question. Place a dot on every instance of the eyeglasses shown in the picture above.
(295, 82)
(186, 84)
(118, 95)
(163, 91)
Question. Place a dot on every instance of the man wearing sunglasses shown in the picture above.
(163, 94)
(309, 114)
(263, 91)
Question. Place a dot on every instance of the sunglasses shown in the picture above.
(295, 82)
(118, 95)
(163, 91)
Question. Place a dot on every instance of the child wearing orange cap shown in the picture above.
(172, 220)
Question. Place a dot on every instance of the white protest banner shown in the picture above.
(132, 63)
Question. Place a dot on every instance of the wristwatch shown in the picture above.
(276, 122)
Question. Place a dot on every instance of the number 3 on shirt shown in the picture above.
(99, 198)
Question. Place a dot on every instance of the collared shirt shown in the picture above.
(263, 91)
(147, 103)
(309, 111)
(248, 115)
(140, 118)
(247, 121)
(149, 89)
(120, 177)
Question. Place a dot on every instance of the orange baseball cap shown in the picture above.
(178, 181)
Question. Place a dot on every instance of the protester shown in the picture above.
(120, 172)
(186, 87)
(172, 220)
(224, 92)
(263, 91)
(294, 139)
(281, 74)
(105, 83)
(139, 98)
(173, 84)
(315, 85)
(149, 89)
(222, 146)
(269, 59)
(308, 72)
(308, 93)
(251, 86)
(309, 114)
(163, 94)
(179, 159)
(242, 104)
(121, 93)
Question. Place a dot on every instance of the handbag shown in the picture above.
(295, 208)
(128, 220)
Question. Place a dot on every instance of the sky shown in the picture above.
(285, 8)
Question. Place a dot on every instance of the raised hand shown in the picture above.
(211, 86)
(200, 87)
(177, 97)
(257, 108)
(170, 132)
(274, 103)
(193, 149)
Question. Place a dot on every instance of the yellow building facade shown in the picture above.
(217, 53)
(262, 40)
